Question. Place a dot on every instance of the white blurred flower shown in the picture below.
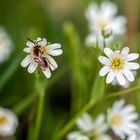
(8, 122)
(118, 65)
(39, 53)
(90, 129)
(122, 119)
(5, 45)
(105, 15)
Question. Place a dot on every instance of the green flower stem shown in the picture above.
(104, 43)
(39, 115)
(89, 106)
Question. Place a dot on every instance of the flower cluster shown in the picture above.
(102, 21)
(120, 118)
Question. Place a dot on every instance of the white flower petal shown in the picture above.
(104, 60)
(30, 44)
(85, 123)
(53, 46)
(118, 105)
(104, 71)
(27, 50)
(26, 61)
(38, 39)
(125, 51)
(120, 78)
(100, 124)
(128, 74)
(74, 135)
(108, 52)
(132, 65)
(77, 136)
(47, 72)
(42, 42)
(118, 25)
(52, 64)
(133, 136)
(110, 77)
(91, 40)
(108, 9)
(118, 132)
(127, 131)
(128, 109)
(32, 67)
(132, 56)
(55, 52)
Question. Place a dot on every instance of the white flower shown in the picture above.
(39, 54)
(90, 129)
(122, 119)
(105, 15)
(8, 122)
(118, 65)
(5, 45)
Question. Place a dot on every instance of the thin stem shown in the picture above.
(39, 115)
(104, 44)
(114, 94)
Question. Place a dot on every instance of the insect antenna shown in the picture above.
(31, 41)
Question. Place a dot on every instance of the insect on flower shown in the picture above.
(39, 55)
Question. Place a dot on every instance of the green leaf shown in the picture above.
(98, 89)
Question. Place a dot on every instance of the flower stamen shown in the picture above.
(116, 119)
(3, 120)
(117, 63)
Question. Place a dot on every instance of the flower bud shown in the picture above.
(106, 31)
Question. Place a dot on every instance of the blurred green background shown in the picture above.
(61, 21)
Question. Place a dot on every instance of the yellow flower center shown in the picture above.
(116, 119)
(100, 24)
(3, 120)
(117, 63)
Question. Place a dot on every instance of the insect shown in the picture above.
(39, 58)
